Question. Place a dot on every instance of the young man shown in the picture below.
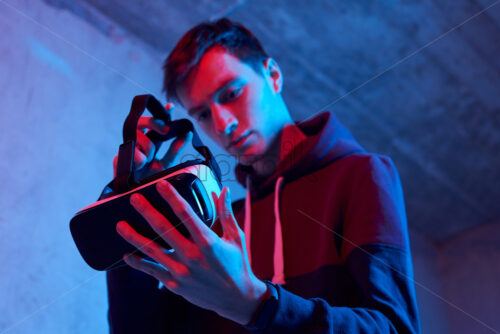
(320, 243)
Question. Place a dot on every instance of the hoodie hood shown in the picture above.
(326, 141)
(320, 141)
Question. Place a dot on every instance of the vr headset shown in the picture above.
(94, 228)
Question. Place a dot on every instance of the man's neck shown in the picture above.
(287, 139)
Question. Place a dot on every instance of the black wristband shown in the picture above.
(267, 310)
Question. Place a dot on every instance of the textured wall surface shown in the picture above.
(470, 275)
(68, 71)
(457, 281)
(428, 286)
(417, 80)
(65, 87)
(62, 96)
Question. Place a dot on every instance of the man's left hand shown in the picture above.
(207, 270)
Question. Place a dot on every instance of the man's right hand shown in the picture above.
(145, 148)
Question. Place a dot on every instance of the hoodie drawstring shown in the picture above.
(248, 221)
(278, 257)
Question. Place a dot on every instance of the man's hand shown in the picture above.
(145, 149)
(207, 270)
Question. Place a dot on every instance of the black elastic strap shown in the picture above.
(125, 178)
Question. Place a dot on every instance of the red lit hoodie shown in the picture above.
(328, 227)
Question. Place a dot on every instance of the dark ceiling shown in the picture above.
(416, 80)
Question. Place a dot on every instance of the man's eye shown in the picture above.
(203, 115)
(232, 94)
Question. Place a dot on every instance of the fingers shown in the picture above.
(152, 124)
(115, 164)
(145, 148)
(160, 224)
(147, 246)
(151, 268)
(201, 233)
(139, 161)
(225, 212)
(145, 145)
(176, 147)
(144, 153)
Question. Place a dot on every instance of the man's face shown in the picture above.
(232, 103)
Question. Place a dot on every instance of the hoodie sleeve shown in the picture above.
(375, 252)
(132, 295)
(136, 305)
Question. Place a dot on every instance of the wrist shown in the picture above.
(259, 296)
(266, 309)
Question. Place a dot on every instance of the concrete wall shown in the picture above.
(457, 281)
(470, 274)
(428, 286)
(65, 88)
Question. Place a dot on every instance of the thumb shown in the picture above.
(225, 211)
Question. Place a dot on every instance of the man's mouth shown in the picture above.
(239, 141)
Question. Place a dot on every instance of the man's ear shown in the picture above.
(273, 74)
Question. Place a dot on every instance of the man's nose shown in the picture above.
(225, 122)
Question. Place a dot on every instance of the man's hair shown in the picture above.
(232, 36)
